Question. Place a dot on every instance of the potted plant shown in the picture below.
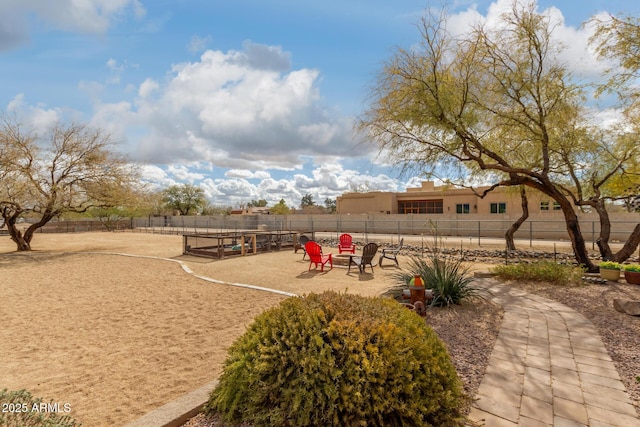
(632, 274)
(610, 270)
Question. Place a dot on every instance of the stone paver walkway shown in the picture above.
(549, 367)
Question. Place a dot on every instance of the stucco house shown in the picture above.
(446, 199)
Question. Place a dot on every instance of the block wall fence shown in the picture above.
(537, 227)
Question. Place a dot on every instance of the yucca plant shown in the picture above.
(449, 279)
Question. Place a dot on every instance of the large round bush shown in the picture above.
(339, 360)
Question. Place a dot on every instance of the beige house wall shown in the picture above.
(384, 202)
(373, 202)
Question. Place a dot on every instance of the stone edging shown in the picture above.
(177, 412)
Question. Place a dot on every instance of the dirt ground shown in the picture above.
(116, 336)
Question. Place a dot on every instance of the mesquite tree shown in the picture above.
(70, 168)
(498, 103)
(184, 198)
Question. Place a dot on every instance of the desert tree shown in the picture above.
(330, 205)
(260, 203)
(617, 40)
(307, 201)
(496, 103)
(185, 198)
(280, 208)
(515, 226)
(70, 168)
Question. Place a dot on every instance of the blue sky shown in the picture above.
(248, 99)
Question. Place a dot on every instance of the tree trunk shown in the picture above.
(605, 234)
(577, 240)
(571, 220)
(516, 225)
(605, 231)
(16, 235)
(629, 246)
(23, 241)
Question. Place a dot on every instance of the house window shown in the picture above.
(544, 206)
(462, 208)
(421, 207)
(498, 207)
(556, 206)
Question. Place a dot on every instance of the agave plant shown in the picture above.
(449, 279)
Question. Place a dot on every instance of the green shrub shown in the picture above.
(21, 409)
(449, 279)
(339, 360)
(610, 265)
(541, 271)
(632, 267)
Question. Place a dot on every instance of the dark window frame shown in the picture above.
(463, 208)
(430, 206)
(498, 208)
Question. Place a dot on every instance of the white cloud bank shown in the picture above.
(237, 109)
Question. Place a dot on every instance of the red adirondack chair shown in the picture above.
(316, 257)
(346, 244)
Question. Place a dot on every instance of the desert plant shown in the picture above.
(339, 360)
(541, 271)
(21, 409)
(449, 279)
(611, 265)
(632, 267)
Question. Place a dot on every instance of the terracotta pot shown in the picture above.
(610, 274)
(632, 277)
(417, 294)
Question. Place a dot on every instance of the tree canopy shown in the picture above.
(499, 105)
(307, 201)
(330, 205)
(185, 198)
(68, 169)
(260, 203)
(280, 208)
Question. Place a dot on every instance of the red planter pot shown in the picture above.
(632, 277)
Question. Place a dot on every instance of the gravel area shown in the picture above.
(470, 331)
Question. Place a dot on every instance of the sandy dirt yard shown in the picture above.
(117, 336)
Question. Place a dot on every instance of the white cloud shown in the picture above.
(237, 186)
(576, 53)
(247, 174)
(147, 87)
(198, 44)
(182, 173)
(240, 110)
(39, 118)
(84, 16)
(229, 191)
(112, 64)
(153, 173)
(113, 118)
